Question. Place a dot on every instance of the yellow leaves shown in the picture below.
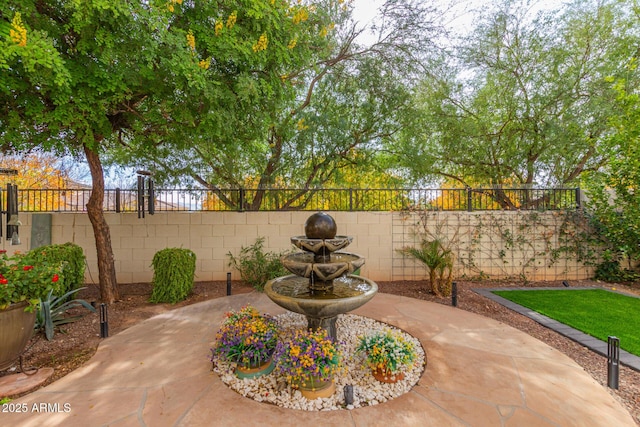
(301, 125)
(261, 44)
(218, 28)
(191, 40)
(18, 32)
(301, 15)
(170, 5)
(231, 20)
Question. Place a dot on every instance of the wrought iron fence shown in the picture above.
(349, 199)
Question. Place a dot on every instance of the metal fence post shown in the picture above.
(118, 206)
(241, 199)
(469, 200)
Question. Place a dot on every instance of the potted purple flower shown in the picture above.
(248, 339)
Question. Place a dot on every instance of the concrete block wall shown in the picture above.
(376, 236)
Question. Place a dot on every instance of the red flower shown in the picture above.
(3, 281)
(55, 278)
(27, 267)
(3, 251)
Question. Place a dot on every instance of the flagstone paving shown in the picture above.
(479, 372)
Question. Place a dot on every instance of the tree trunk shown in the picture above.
(106, 266)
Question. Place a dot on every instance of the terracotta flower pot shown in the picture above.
(16, 329)
(385, 376)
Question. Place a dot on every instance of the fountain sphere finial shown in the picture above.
(320, 226)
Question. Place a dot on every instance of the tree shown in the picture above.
(317, 119)
(83, 77)
(614, 192)
(523, 100)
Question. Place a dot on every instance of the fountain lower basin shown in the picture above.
(321, 308)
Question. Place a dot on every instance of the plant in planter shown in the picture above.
(22, 281)
(309, 361)
(387, 353)
(21, 286)
(248, 339)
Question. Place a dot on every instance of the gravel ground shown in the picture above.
(77, 343)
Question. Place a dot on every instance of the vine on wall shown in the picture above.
(524, 245)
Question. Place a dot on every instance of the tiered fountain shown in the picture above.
(322, 285)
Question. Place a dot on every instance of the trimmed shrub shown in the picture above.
(174, 270)
(70, 255)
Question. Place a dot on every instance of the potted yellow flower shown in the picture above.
(309, 362)
(388, 354)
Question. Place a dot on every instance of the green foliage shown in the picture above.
(609, 270)
(53, 311)
(614, 192)
(173, 275)
(596, 312)
(439, 263)
(22, 280)
(256, 266)
(524, 99)
(70, 255)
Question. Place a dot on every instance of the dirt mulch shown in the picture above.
(77, 342)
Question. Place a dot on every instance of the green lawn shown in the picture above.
(596, 312)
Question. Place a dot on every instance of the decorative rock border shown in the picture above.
(367, 390)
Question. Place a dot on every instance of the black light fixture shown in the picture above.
(348, 394)
(613, 362)
(454, 294)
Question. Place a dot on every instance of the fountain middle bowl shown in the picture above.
(292, 292)
(302, 264)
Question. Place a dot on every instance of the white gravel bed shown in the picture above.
(366, 389)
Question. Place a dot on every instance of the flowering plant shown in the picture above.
(309, 357)
(23, 281)
(386, 351)
(246, 337)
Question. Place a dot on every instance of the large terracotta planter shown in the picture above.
(16, 328)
